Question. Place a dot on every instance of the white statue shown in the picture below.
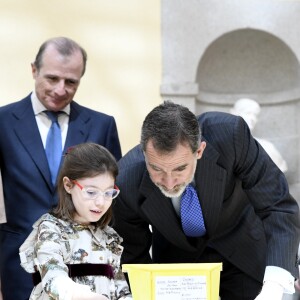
(249, 110)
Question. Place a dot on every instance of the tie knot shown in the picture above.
(189, 188)
(53, 115)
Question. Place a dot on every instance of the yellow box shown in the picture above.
(174, 281)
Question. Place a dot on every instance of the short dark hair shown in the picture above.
(64, 46)
(168, 125)
(82, 161)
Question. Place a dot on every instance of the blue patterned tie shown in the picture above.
(191, 213)
(53, 145)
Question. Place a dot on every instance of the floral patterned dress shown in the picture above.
(54, 243)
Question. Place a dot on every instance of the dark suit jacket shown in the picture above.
(27, 186)
(250, 217)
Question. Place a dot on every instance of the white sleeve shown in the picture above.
(280, 276)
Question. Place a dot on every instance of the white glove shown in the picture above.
(270, 290)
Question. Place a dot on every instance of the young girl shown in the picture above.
(76, 253)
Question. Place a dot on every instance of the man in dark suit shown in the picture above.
(28, 189)
(251, 222)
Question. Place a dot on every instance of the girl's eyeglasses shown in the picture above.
(91, 193)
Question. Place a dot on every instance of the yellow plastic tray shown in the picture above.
(198, 281)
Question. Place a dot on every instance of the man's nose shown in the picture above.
(169, 181)
(60, 88)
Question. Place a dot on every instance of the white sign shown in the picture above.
(180, 288)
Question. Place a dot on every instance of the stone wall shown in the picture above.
(215, 52)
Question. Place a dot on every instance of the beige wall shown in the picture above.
(122, 38)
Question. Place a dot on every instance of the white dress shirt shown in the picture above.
(44, 123)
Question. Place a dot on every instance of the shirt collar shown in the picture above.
(38, 107)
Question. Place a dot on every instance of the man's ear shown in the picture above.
(200, 150)
(33, 70)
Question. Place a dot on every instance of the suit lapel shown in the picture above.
(78, 127)
(27, 132)
(159, 209)
(210, 182)
(77, 133)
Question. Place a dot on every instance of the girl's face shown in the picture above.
(90, 210)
